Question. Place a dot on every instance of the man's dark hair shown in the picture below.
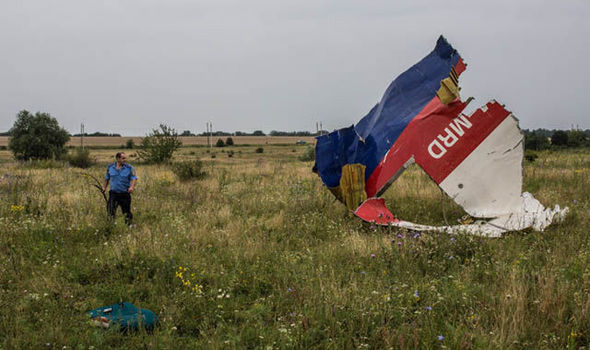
(118, 155)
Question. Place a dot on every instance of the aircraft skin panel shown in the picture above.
(476, 159)
(488, 182)
(371, 138)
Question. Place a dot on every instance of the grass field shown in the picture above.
(279, 264)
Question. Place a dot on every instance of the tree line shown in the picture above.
(39, 136)
(541, 139)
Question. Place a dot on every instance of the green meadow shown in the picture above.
(258, 254)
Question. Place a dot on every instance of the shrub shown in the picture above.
(576, 138)
(80, 158)
(530, 156)
(229, 141)
(129, 144)
(230, 154)
(187, 170)
(37, 136)
(536, 141)
(259, 150)
(159, 145)
(308, 155)
(559, 138)
(220, 143)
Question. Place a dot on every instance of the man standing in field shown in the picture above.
(122, 177)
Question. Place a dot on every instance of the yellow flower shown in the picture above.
(16, 208)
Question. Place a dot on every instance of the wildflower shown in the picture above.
(372, 255)
(452, 239)
(289, 290)
(416, 295)
(371, 227)
(575, 201)
(441, 338)
(429, 308)
(363, 272)
(399, 235)
(17, 208)
(451, 257)
(399, 243)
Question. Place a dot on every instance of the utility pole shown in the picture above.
(210, 134)
(82, 135)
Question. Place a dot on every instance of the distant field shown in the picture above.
(188, 140)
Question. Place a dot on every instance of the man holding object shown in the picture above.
(122, 177)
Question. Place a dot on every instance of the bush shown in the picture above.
(535, 141)
(37, 136)
(80, 158)
(230, 154)
(530, 156)
(188, 170)
(229, 141)
(576, 138)
(129, 144)
(159, 145)
(259, 150)
(220, 143)
(308, 155)
(559, 138)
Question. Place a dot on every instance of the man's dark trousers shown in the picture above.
(124, 200)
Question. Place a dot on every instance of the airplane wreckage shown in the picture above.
(475, 159)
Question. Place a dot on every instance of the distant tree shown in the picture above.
(220, 143)
(229, 141)
(80, 158)
(129, 144)
(534, 141)
(258, 133)
(159, 145)
(99, 134)
(289, 133)
(187, 133)
(576, 138)
(559, 138)
(37, 136)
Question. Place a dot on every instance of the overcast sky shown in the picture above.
(126, 65)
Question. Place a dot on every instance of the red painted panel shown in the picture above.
(374, 210)
(428, 127)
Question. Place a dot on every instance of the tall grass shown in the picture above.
(280, 264)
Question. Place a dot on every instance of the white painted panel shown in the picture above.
(488, 182)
